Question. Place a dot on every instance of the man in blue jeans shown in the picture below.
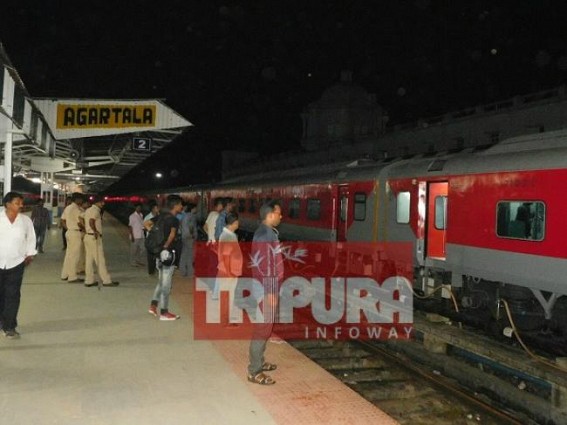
(168, 258)
(269, 272)
(17, 248)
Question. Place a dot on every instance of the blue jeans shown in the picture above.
(186, 261)
(163, 287)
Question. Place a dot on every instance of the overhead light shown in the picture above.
(159, 175)
(36, 180)
(77, 178)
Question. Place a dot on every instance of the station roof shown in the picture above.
(106, 138)
(92, 142)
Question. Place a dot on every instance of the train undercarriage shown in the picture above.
(540, 318)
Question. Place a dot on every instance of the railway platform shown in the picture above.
(97, 357)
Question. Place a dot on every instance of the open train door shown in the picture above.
(342, 216)
(436, 219)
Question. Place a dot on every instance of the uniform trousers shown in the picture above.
(95, 254)
(72, 254)
(82, 255)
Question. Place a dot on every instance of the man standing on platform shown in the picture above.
(70, 222)
(93, 245)
(154, 212)
(188, 237)
(168, 258)
(17, 248)
(270, 272)
(230, 265)
(211, 222)
(41, 222)
(136, 229)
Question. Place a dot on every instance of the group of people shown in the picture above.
(21, 238)
(83, 235)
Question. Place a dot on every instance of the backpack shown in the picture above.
(156, 238)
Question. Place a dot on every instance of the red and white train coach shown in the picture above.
(487, 224)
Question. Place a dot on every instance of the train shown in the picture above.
(486, 223)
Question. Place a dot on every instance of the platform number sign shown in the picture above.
(142, 144)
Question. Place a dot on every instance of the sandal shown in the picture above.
(261, 378)
(268, 367)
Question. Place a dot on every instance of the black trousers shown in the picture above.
(10, 285)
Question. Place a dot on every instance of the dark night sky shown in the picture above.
(242, 71)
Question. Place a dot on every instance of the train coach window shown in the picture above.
(360, 206)
(403, 207)
(241, 205)
(293, 208)
(520, 220)
(313, 209)
(440, 212)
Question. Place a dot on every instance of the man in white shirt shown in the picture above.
(136, 228)
(17, 248)
(211, 222)
(230, 263)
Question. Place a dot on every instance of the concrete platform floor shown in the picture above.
(97, 357)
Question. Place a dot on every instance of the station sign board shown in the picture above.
(142, 144)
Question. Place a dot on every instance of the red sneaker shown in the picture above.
(153, 310)
(168, 316)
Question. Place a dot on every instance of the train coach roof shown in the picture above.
(324, 173)
(531, 152)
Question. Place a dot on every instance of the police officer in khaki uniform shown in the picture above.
(93, 245)
(70, 222)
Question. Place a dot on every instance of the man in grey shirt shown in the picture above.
(269, 272)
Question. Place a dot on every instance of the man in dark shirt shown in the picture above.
(168, 258)
(41, 222)
(269, 272)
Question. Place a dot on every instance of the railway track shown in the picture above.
(407, 391)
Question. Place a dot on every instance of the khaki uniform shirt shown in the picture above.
(71, 216)
(93, 212)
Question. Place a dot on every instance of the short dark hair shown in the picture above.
(10, 196)
(96, 198)
(268, 208)
(190, 206)
(173, 200)
(231, 218)
(152, 204)
(40, 201)
(137, 204)
(219, 201)
(76, 196)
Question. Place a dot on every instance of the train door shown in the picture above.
(436, 219)
(342, 216)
